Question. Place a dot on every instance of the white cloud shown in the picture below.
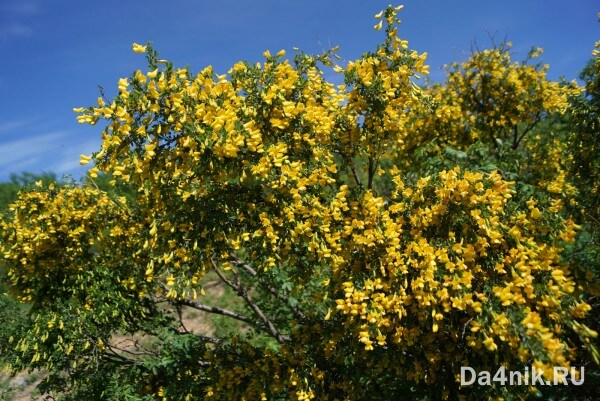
(12, 25)
(56, 152)
(9, 126)
(66, 160)
(15, 29)
(19, 152)
(36, 146)
(22, 8)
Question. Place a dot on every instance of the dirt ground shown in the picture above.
(22, 387)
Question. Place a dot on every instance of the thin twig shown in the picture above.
(355, 174)
(529, 127)
(465, 327)
(214, 309)
(371, 173)
(250, 270)
(241, 291)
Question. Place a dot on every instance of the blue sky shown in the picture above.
(54, 54)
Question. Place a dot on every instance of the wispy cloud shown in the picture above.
(55, 151)
(25, 150)
(13, 21)
(11, 126)
(67, 158)
(21, 7)
(15, 29)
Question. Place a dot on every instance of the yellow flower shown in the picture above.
(490, 344)
(84, 159)
(378, 26)
(123, 84)
(139, 48)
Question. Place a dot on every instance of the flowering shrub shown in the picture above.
(356, 278)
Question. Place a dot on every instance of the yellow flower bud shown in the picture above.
(139, 48)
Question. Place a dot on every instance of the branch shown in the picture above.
(529, 127)
(106, 100)
(214, 309)
(350, 163)
(465, 327)
(355, 174)
(180, 317)
(251, 271)
(371, 173)
(209, 339)
(241, 291)
(480, 108)
(116, 358)
(137, 350)
(132, 353)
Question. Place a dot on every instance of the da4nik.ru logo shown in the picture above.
(528, 377)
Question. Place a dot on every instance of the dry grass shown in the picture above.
(21, 387)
